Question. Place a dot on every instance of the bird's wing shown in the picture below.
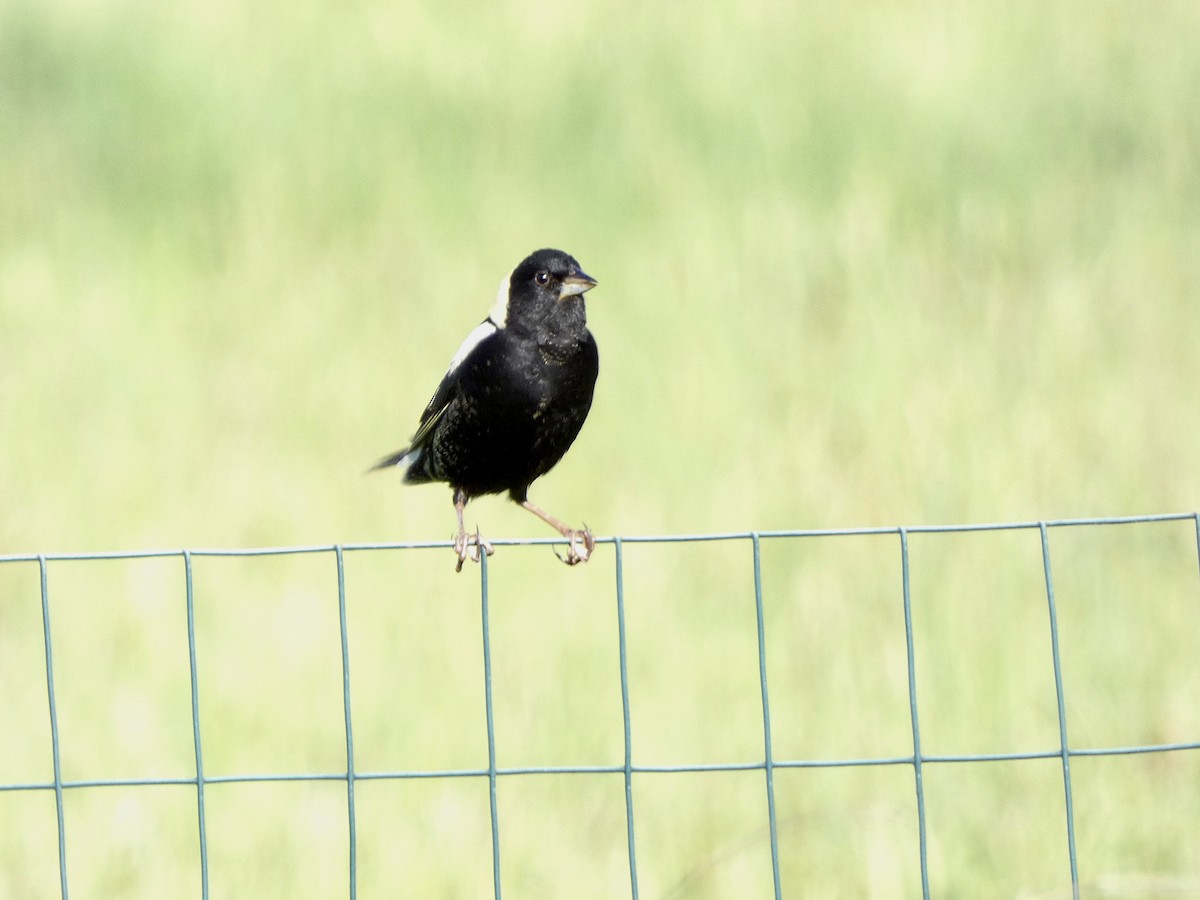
(442, 398)
(446, 391)
(436, 408)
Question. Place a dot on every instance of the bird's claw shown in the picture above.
(580, 544)
(467, 546)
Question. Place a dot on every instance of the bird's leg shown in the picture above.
(580, 542)
(467, 546)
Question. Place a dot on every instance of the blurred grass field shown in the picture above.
(895, 264)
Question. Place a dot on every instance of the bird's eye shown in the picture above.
(542, 277)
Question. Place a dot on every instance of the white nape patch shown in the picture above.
(499, 310)
(484, 329)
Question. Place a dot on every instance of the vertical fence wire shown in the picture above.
(768, 756)
(202, 828)
(54, 745)
(491, 722)
(352, 832)
(1062, 712)
(627, 769)
(1196, 522)
(922, 842)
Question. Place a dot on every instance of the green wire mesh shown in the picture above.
(768, 763)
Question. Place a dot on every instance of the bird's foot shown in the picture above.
(580, 544)
(467, 546)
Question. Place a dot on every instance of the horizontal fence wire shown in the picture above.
(769, 765)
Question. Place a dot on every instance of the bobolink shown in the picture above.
(513, 400)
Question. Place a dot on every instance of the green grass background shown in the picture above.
(892, 263)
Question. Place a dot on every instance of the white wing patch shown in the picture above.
(497, 318)
(484, 329)
(499, 311)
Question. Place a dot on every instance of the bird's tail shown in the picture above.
(402, 458)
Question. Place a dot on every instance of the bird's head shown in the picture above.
(545, 288)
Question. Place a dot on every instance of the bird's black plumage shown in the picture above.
(514, 397)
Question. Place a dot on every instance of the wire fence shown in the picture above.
(769, 763)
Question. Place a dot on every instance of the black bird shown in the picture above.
(513, 399)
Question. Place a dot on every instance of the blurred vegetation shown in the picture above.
(895, 264)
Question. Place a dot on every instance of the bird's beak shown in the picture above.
(576, 283)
